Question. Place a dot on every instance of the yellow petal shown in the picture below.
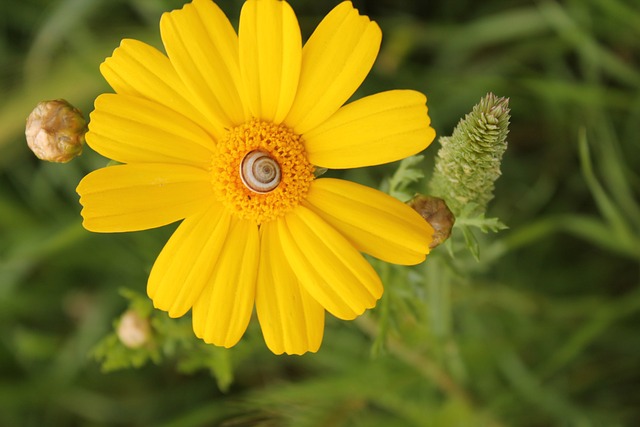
(374, 222)
(203, 48)
(376, 129)
(135, 130)
(335, 60)
(137, 69)
(327, 265)
(270, 55)
(223, 311)
(142, 196)
(292, 321)
(186, 262)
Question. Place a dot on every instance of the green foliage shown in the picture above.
(542, 331)
(621, 213)
(409, 172)
(469, 219)
(113, 354)
(168, 339)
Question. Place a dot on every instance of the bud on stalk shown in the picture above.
(435, 211)
(55, 131)
(133, 330)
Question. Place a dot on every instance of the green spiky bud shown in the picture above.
(468, 162)
(55, 131)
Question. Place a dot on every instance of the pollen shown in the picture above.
(286, 151)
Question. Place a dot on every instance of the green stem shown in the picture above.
(425, 366)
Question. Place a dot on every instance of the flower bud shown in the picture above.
(133, 330)
(55, 131)
(468, 162)
(435, 211)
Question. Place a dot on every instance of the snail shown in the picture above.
(260, 172)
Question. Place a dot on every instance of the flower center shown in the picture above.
(261, 171)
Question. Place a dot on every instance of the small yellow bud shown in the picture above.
(436, 212)
(55, 131)
(133, 330)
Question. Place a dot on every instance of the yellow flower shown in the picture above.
(224, 132)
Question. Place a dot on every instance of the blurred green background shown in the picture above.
(542, 331)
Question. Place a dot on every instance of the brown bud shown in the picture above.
(435, 211)
(55, 131)
(133, 330)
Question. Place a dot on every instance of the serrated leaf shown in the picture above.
(114, 356)
(408, 172)
(138, 302)
(215, 359)
(471, 242)
(479, 221)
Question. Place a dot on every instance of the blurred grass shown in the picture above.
(543, 331)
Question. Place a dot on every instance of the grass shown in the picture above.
(541, 331)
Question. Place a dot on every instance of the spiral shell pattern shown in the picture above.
(260, 172)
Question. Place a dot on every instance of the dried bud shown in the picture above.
(55, 131)
(435, 211)
(133, 330)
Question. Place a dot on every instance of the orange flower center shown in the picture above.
(261, 170)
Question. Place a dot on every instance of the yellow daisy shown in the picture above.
(224, 132)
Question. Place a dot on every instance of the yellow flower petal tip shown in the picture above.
(224, 133)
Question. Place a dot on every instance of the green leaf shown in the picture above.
(216, 359)
(471, 242)
(622, 231)
(408, 172)
(114, 356)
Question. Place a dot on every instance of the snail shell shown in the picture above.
(260, 172)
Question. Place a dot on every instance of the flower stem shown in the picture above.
(426, 367)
